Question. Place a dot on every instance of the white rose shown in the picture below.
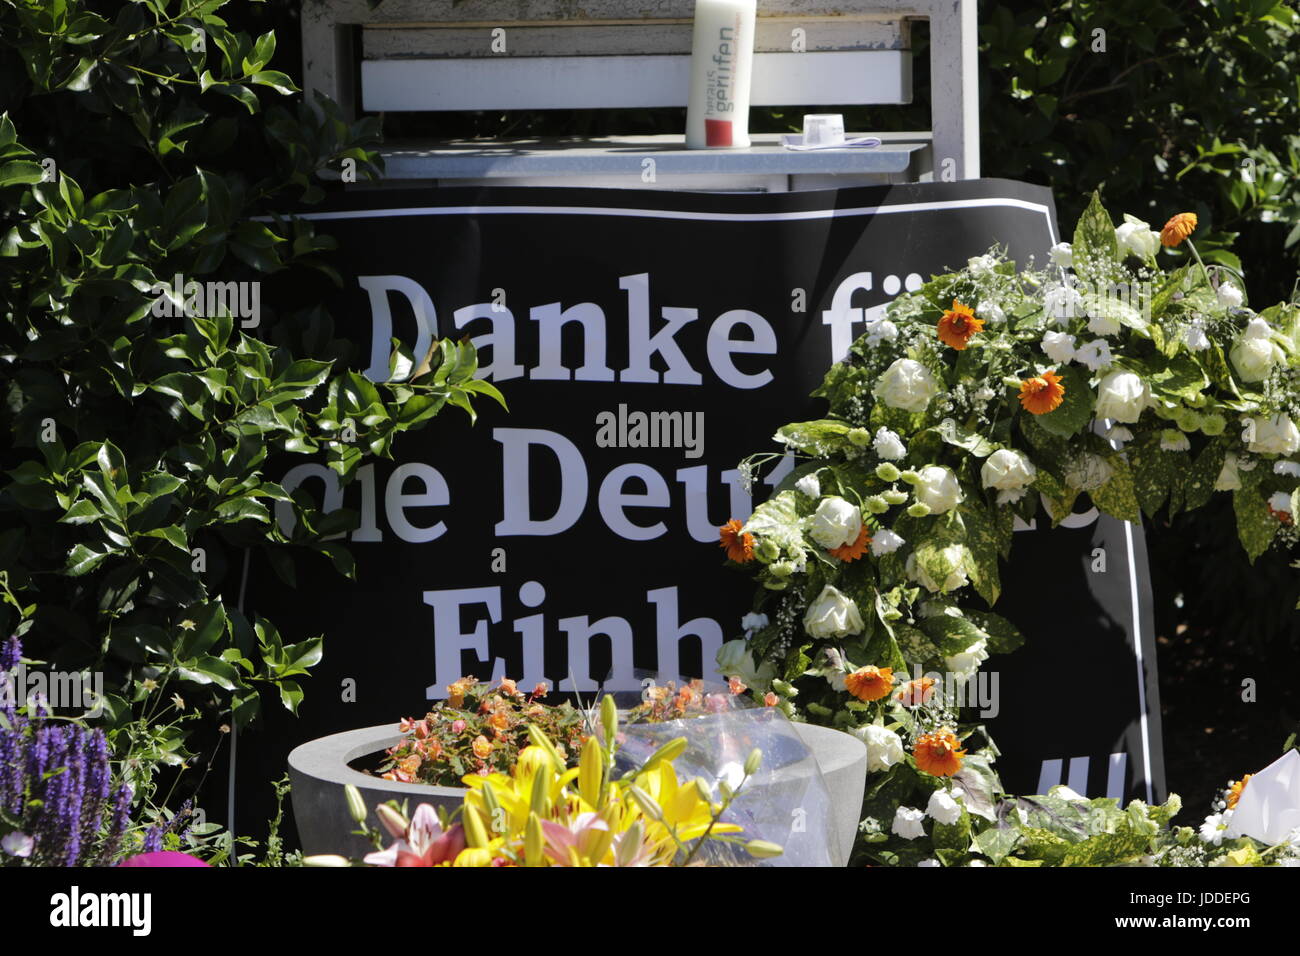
(907, 823)
(809, 485)
(884, 747)
(1229, 296)
(1272, 436)
(1007, 470)
(942, 808)
(938, 488)
(1194, 336)
(832, 614)
(885, 542)
(1059, 347)
(981, 265)
(964, 664)
(1095, 355)
(1229, 479)
(888, 445)
(1137, 237)
(835, 522)
(955, 556)
(1062, 255)
(1062, 302)
(1255, 353)
(907, 384)
(1122, 396)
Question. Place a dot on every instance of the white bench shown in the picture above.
(434, 55)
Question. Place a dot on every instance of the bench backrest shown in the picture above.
(566, 54)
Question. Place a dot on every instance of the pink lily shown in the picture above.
(583, 835)
(424, 843)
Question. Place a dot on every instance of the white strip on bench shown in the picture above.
(604, 82)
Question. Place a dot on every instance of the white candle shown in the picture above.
(722, 55)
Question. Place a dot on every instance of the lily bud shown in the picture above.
(753, 761)
(591, 771)
(646, 803)
(326, 859)
(609, 717)
(762, 849)
(356, 806)
(392, 819)
(533, 841)
(669, 752)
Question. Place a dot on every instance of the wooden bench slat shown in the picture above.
(627, 82)
(773, 35)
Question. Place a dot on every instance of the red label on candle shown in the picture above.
(717, 132)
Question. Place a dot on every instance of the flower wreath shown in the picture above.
(972, 397)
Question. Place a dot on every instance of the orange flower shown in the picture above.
(770, 699)
(1177, 229)
(1042, 393)
(851, 552)
(870, 682)
(938, 753)
(508, 687)
(958, 325)
(1234, 792)
(740, 546)
(916, 692)
(540, 689)
(500, 721)
(736, 685)
(482, 747)
(409, 765)
(456, 692)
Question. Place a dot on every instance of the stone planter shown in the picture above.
(319, 771)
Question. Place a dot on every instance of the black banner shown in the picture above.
(558, 540)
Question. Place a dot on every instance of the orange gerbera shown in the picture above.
(740, 546)
(1042, 393)
(1177, 229)
(870, 682)
(1234, 792)
(851, 552)
(916, 692)
(938, 753)
(958, 325)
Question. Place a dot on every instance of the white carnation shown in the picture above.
(1095, 355)
(1059, 347)
(885, 542)
(1280, 501)
(1194, 336)
(942, 808)
(907, 823)
(880, 330)
(888, 445)
(1290, 469)
(1062, 255)
(1229, 296)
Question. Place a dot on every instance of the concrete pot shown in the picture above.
(319, 771)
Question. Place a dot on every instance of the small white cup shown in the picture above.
(823, 129)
